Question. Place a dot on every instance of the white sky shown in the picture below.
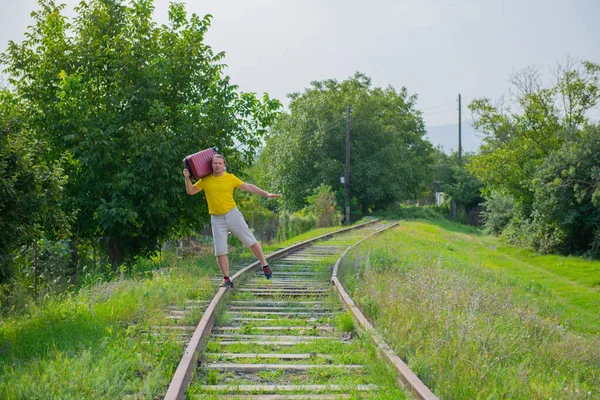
(436, 48)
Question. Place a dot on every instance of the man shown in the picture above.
(225, 216)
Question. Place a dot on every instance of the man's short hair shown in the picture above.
(219, 156)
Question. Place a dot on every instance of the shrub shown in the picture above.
(324, 205)
(291, 225)
(498, 211)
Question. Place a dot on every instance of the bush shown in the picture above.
(565, 208)
(321, 212)
(53, 261)
(291, 225)
(498, 211)
(324, 205)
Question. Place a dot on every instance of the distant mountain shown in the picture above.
(447, 137)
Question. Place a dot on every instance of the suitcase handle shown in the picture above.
(186, 165)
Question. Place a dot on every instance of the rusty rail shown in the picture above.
(407, 378)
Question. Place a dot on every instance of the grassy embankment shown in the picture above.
(477, 319)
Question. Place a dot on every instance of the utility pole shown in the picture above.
(459, 131)
(347, 174)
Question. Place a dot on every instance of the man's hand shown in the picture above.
(189, 187)
(273, 195)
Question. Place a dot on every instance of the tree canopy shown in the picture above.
(122, 101)
(389, 158)
(31, 190)
(538, 153)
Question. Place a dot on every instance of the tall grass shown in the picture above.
(96, 343)
(471, 324)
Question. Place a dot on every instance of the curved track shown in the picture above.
(277, 339)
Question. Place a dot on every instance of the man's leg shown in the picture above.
(219, 228)
(239, 227)
(223, 262)
(256, 249)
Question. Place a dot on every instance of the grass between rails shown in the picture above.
(328, 354)
(357, 351)
(477, 319)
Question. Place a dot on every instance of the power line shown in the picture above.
(442, 112)
(439, 105)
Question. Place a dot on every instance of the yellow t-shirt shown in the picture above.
(219, 192)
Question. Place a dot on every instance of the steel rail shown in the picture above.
(408, 379)
(187, 365)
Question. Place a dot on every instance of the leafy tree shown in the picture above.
(30, 189)
(124, 100)
(566, 210)
(464, 188)
(307, 147)
(442, 169)
(542, 156)
(516, 143)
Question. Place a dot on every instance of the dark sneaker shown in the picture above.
(226, 282)
(267, 271)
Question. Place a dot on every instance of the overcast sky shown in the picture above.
(435, 48)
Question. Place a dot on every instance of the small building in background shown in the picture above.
(439, 198)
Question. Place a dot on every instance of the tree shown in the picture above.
(464, 188)
(516, 143)
(442, 169)
(535, 156)
(566, 210)
(306, 149)
(124, 100)
(30, 189)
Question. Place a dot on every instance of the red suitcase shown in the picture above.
(200, 164)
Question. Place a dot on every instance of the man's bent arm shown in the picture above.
(189, 186)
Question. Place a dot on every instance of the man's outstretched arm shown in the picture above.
(248, 187)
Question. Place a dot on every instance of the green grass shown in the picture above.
(477, 319)
(96, 343)
(349, 350)
(344, 322)
(571, 281)
(359, 351)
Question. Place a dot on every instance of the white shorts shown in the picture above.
(232, 221)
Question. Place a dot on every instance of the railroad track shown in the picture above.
(289, 337)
